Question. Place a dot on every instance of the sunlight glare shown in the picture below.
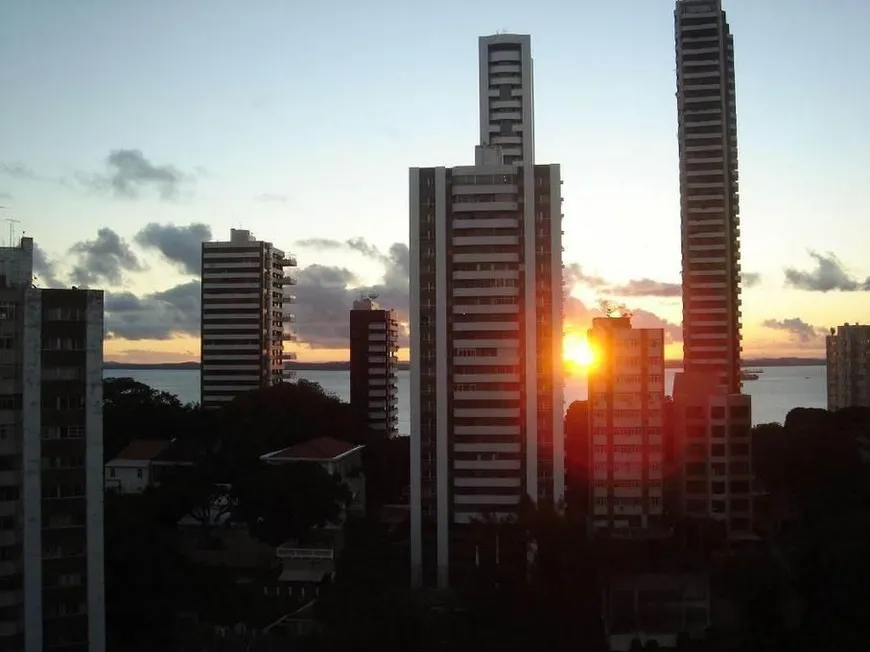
(577, 353)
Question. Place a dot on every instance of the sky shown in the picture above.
(132, 130)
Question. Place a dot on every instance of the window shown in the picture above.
(717, 412)
(6, 342)
(7, 310)
(10, 401)
(139, 473)
(112, 473)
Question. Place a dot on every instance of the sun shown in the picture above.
(577, 353)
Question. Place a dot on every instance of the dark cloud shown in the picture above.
(129, 173)
(796, 328)
(44, 270)
(829, 274)
(181, 245)
(272, 198)
(325, 295)
(573, 275)
(751, 279)
(103, 260)
(158, 316)
(645, 287)
(18, 171)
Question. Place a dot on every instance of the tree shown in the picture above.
(133, 410)
(281, 502)
(282, 415)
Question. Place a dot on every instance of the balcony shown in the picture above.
(289, 551)
(289, 279)
(289, 260)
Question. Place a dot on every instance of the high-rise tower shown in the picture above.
(507, 100)
(486, 330)
(245, 317)
(708, 191)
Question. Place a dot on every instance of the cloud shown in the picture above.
(158, 316)
(129, 173)
(829, 274)
(104, 259)
(270, 197)
(44, 269)
(180, 245)
(751, 279)
(645, 287)
(18, 171)
(5, 195)
(578, 317)
(325, 295)
(573, 275)
(796, 328)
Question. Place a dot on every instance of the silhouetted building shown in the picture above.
(374, 341)
(848, 357)
(626, 399)
(486, 328)
(245, 317)
(578, 471)
(51, 462)
(709, 192)
(713, 448)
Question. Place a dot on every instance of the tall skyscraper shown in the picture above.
(507, 100)
(245, 317)
(51, 462)
(848, 356)
(627, 394)
(486, 334)
(709, 191)
(374, 341)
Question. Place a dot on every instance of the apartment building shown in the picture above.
(51, 462)
(626, 396)
(374, 366)
(246, 317)
(707, 122)
(714, 450)
(848, 357)
(507, 96)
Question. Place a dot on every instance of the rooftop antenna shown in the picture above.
(12, 224)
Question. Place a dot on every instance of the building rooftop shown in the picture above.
(142, 450)
(319, 449)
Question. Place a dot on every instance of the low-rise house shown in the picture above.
(143, 463)
(336, 457)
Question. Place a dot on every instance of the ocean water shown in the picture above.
(774, 394)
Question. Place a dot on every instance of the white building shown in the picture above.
(626, 403)
(486, 328)
(707, 120)
(848, 357)
(507, 96)
(51, 462)
(245, 316)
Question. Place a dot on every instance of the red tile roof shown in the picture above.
(320, 448)
(143, 450)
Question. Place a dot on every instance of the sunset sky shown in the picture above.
(131, 130)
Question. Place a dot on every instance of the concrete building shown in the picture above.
(507, 100)
(848, 356)
(486, 328)
(374, 342)
(51, 466)
(246, 318)
(713, 448)
(626, 395)
(144, 463)
(709, 197)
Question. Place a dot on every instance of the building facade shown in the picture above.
(707, 117)
(848, 357)
(246, 318)
(51, 466)
(374, 366)
(714, 450)
(507, 96)
(626, 395)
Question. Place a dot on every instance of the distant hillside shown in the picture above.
(344, 366)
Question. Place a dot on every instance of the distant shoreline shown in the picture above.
(345, 366)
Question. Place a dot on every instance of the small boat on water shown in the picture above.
(755, 371)
(745, 375)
